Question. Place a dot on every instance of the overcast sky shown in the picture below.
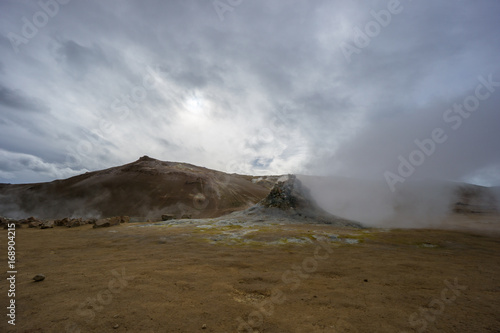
(251, 86)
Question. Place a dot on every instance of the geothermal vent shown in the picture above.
(291, 200)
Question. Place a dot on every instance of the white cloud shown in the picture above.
(16, 166)
(265, 91)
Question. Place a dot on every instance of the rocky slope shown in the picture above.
(290, 200)
(144, 189)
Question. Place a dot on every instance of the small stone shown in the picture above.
(116, 326)
(34, 224)
(166, 217)
(47, 224)
(204, 327)
(39, 277)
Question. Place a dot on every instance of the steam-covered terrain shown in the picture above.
(323, 166)
(417, 204)
(152, 190)
(170, 247)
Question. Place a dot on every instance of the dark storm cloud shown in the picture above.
(16, 100)
(265, 89)
(78, 59)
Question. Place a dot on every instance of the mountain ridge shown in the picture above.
(145, 188)
(148, 188)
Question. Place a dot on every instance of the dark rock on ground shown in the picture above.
(75, 223)
(39, 277)
(34, 224)
(47, 224)
(102, 223)
(4, 223)
(111, 221)
(167, 217)
(62, 222)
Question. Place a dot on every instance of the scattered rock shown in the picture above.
(34, 224)
(116, 220)
(105, 223)
(102, 223)
(22, 221)
(283, 195)
(6, 221)
(61, 223)
(204, 327)
(75, 223)
(39, 277)
(17, 224)
(166, 217)
(116, 326)
(47, 224)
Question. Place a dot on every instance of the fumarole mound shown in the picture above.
(290, 199)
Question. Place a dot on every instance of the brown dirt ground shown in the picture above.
(179, 281)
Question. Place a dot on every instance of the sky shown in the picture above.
(383, 90)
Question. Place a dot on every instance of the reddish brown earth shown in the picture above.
(251, 271)
(186, 278)
(148, 188)
(144, 189)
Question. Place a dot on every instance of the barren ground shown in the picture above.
(308, 278)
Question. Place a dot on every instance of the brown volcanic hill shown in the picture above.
(474, 199)
(146, 189)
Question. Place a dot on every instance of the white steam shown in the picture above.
(413, 205)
